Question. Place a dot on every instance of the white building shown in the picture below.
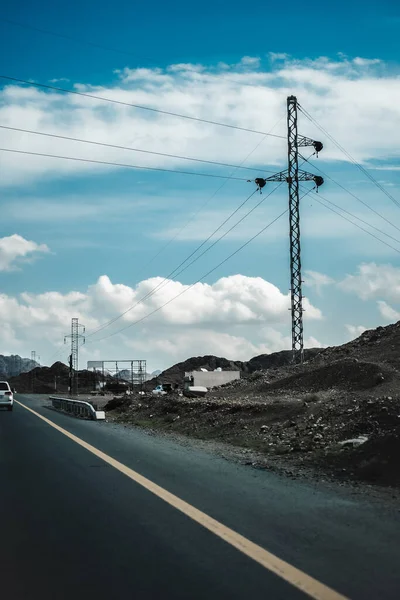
(210, 379)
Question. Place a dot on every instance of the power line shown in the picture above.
(359, 219)
(74, 39)
(355, 224)
(114, 164)
(354, 196)
(350, 157)
(196, 282)
(117, 50)
(148, 108)
(173, 272)
(177, 234)
(228, 231)
(167, 279)
(115, 146)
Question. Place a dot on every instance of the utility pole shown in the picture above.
(293, 175)
(75, 336)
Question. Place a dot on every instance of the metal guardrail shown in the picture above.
(78, 408)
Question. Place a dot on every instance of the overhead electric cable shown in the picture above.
(358, 218)
(208, 200)
(354, 196)
(175, 273)
(117, 147)
(127, 52)
(350, 157)
(167, 280)
(193, 284)
(172, 273)
(138, 106)
(74, 39)
(355, 224)
(115, 164)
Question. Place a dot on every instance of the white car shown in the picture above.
(6, 395)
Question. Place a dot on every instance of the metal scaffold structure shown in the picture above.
(130, 372)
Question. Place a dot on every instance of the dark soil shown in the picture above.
(338, 414)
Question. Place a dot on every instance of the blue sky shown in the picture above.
(234, 66)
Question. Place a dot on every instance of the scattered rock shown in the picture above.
(355, 441)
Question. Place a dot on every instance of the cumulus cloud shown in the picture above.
(346, 96)
(355, 330)
(317, 280)
(14, 250)
(373, 281)
(388, 312)
(236, 316)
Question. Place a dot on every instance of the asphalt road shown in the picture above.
(73, 526)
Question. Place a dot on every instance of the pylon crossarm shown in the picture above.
(281, 176)
(305, 141)
(305, 176)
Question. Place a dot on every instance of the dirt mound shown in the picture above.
(47, 380)
(176, 373)
(380, 345)
(284, 358)
(349, 375)
(336, 414)
(375, 461)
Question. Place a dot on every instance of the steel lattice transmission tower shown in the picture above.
(293, 175)
(75, 337)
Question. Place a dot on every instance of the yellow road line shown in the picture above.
(295, 577)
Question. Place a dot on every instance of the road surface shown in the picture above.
(78, 524)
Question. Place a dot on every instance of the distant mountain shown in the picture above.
(125, 374)
(12, 366)
(175, 374)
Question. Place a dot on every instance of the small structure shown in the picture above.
(210, 379)
(128, 373)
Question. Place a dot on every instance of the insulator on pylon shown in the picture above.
(260, 182)
(318, 180)
(318, 147)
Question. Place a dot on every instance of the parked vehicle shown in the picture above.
(195, 391)
(159, 391)
(6, 395)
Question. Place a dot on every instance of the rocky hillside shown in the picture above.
(380, 345)
(13, 365)
(44, 380)
(175, 374)
(338, 414)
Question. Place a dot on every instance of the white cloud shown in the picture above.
(366, 62)
(274, 56)
(236, 316)
(355, 330)
(69, 207)
(351, 98)
(15, 249)
(388, 312)
(250, 61)
(317, 280)
(374, 281)
(233, 300)
(386, 168)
